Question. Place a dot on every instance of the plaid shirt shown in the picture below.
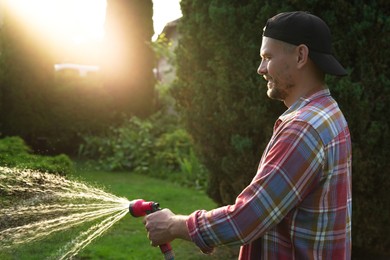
(299, 204)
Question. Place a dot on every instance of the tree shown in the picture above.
(51, 111)
(129, 59)
(225, 108)
(47, 112)
(27, 74)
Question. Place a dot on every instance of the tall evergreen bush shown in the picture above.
(226, 109)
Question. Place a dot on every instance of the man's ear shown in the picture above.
(302, 55)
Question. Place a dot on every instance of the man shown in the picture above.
(298, 205)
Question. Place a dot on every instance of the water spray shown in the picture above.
(140, 208)
(34, 205)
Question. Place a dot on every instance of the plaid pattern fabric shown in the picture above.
(299, 204)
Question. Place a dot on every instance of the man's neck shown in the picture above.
(302, 92)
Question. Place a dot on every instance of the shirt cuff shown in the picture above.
(196, 236)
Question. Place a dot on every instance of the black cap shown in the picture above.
(303, 28)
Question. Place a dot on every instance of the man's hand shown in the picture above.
(163, 226)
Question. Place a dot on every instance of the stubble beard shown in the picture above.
(277, 92)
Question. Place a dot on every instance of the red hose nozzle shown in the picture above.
(140, 208)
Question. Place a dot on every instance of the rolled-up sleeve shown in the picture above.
(193, 229)
(290, 168)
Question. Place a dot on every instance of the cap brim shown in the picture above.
(327, 63)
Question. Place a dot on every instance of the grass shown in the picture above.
(127, 238)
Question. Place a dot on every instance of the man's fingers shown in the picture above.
(152, 242)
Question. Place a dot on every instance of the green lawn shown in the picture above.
(127, 238)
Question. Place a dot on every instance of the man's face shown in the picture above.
(277, 61)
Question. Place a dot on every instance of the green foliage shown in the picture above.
(51, 110)
(217, 92)
(126, 147)
(26, 74)
(13, 146)
(47, 110)
(156, 146)
(77, 106)
(162, 47)
(170, 146)
(15, 153)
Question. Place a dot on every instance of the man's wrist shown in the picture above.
(179, 229)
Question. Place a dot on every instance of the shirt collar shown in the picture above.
(303, 101)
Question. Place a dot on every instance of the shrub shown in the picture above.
(13, 146)
(218, 94)
(156, 146)
(126, 147)
(15, 153)
(171, 146)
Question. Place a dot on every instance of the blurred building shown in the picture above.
(77, 69)
(165, 70)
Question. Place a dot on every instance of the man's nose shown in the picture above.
(262, 69)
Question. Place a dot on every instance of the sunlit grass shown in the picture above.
(127, 238)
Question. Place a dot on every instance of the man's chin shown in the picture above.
(274, 94)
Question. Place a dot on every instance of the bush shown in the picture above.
(156, 146)
(124, 148)
(231, 121)
(15, 153)
(218, 94)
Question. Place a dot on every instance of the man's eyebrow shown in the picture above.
(265, 54)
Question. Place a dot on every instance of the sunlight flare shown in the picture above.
(75, 21)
